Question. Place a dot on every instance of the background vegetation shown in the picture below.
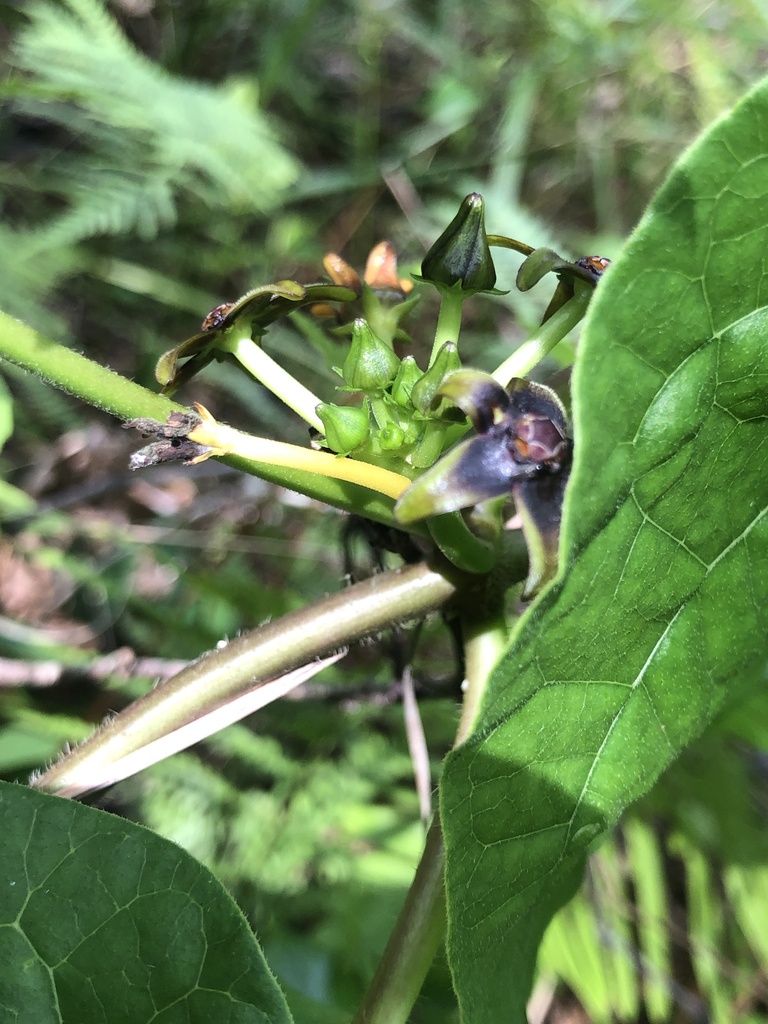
(157, 159)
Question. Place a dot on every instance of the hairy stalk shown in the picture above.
(281, 383)
(269, 651)
(77, 375)
(448, 321)
(531, 352)
(107, 390)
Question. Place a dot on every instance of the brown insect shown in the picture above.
(594, 265)
(217, 316)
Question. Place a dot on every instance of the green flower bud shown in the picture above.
(461, 256)
(391, 438)
(346, 426)
(407, 375)
(370, 364)
(425, 389)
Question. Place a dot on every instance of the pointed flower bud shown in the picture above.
(402, 386)
(425, 389)
(461, 257)
(346, 426)
(370, 364)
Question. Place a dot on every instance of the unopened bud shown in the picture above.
(370, 364)
(461, 257)
(346, 427)
(425, 389)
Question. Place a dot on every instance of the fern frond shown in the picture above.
(87, 77)
(116, 205)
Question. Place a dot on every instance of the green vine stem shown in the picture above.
(79, 376)
(532, 351)
(107, 390)
(414, 941)
(258, 656)
(485, 640)
(281, 383)
(448, 320)
(420, 926)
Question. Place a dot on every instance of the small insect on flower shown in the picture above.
(217, 316)
(594, 265)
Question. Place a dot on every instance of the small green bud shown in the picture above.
(407, 375)
(426, 388)
(461, 256)
(391, 438)
(370, 364)
(346, 426)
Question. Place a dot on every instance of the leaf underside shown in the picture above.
(659, 616)
(103, 921)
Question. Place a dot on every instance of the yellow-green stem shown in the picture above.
(448, 321)
(531, 352)
(227, 440)
(281, 383)
(485, 640)
(420, 926)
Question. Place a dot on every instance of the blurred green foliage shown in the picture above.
(158, 158)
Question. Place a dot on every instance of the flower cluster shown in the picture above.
(401, 429)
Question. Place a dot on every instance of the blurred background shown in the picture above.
(158, 158)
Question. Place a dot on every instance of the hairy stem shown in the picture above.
(95, 384)
(77, 375)
(258, 656)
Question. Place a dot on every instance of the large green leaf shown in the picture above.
(103, 921)
(659, 615)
